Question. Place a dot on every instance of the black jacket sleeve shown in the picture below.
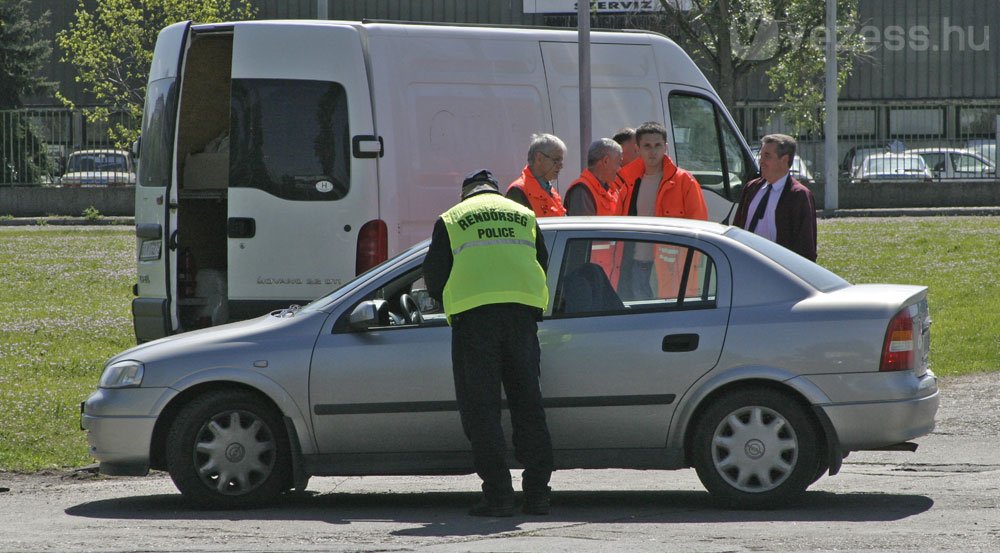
(518, 196)
(579, 201)
(541, 253)
(437, 263)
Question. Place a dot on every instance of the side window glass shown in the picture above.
(290, 138)
(403, 302)
(701, 138)
(612, 278)
(935, 162)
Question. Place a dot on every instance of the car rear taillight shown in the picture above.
(373, 245)
(899, 345)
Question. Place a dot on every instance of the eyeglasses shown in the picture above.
(554, 159)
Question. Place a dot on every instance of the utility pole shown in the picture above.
(583, 31)
(831, 190)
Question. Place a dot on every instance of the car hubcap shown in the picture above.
(754, 449)
(234, 452)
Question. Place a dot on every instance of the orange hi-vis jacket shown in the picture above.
(604, 254)
(679, 195)
(606, 201)
(542, 203)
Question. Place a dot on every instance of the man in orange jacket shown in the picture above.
(535, 188)
(652, 185)
(594, 192)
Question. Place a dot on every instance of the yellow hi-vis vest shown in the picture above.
(494, 258)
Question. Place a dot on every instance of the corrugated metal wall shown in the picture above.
(923, 49)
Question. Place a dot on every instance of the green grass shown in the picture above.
(65, 295)
(64, 309)
(955, 257)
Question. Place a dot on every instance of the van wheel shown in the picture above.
(228, 450)
(756, 449)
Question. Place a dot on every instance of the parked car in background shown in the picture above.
(984, 147)
(955, 163)
(886, 167)
(857, 154)
(757, 367)
(799, 169)
(99, 168)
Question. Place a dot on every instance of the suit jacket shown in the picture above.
(794, 216)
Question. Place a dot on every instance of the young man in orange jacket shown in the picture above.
(652, 185)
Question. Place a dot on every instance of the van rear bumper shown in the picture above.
(150, 319)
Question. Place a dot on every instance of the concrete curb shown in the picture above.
(65, 221)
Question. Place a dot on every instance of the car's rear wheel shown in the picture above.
(755, 449)
(228, 450)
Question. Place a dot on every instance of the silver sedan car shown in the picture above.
(731, 354)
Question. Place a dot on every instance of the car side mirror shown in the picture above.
(135, 147)
(368, 314)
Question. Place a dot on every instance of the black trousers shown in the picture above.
(496, 345)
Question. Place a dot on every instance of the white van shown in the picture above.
(279, 159)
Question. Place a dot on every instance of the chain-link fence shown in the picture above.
(36, 144)
(922, 142)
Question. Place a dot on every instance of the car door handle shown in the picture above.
(680, 342)
(241, 227)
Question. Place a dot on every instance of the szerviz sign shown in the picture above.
(598, 6)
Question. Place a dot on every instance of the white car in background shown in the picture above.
(956, 163)
(99, 168)
(889, 167)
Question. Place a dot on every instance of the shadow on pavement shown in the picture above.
(444, 513)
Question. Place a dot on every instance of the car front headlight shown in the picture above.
(122, 374)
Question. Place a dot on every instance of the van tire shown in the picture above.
(228, 450)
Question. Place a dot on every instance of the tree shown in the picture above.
(731, 39)
(785, 38)
(112, 45)
(23, 58)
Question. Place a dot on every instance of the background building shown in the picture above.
(932, 75)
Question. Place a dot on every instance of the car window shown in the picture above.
(965, 163)
(814, 275)
(626, 276)
(935, 162)
(407, 303)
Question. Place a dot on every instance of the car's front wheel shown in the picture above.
(755, 449)
(228, 450)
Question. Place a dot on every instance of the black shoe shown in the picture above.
(503, 507)
(536, 504)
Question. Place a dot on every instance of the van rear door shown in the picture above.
(153, 314)
(303, 163)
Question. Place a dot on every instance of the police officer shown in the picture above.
(486, 264)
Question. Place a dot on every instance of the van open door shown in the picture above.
(154, 312)
(303, 185)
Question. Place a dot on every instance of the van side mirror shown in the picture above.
(368, 314)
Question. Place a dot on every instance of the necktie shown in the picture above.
(761, 207)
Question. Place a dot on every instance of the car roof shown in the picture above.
(653, 224)
(101, 151)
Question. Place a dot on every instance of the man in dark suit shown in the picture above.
(776, 206)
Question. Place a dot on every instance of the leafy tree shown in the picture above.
(732, 39)
(785, 38)
(23, 58)
(111, 47)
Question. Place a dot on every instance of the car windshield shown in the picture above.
(322, 302)
(814, 275)
(897, 164)
(102, 162)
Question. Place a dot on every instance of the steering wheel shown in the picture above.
(410, 309)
